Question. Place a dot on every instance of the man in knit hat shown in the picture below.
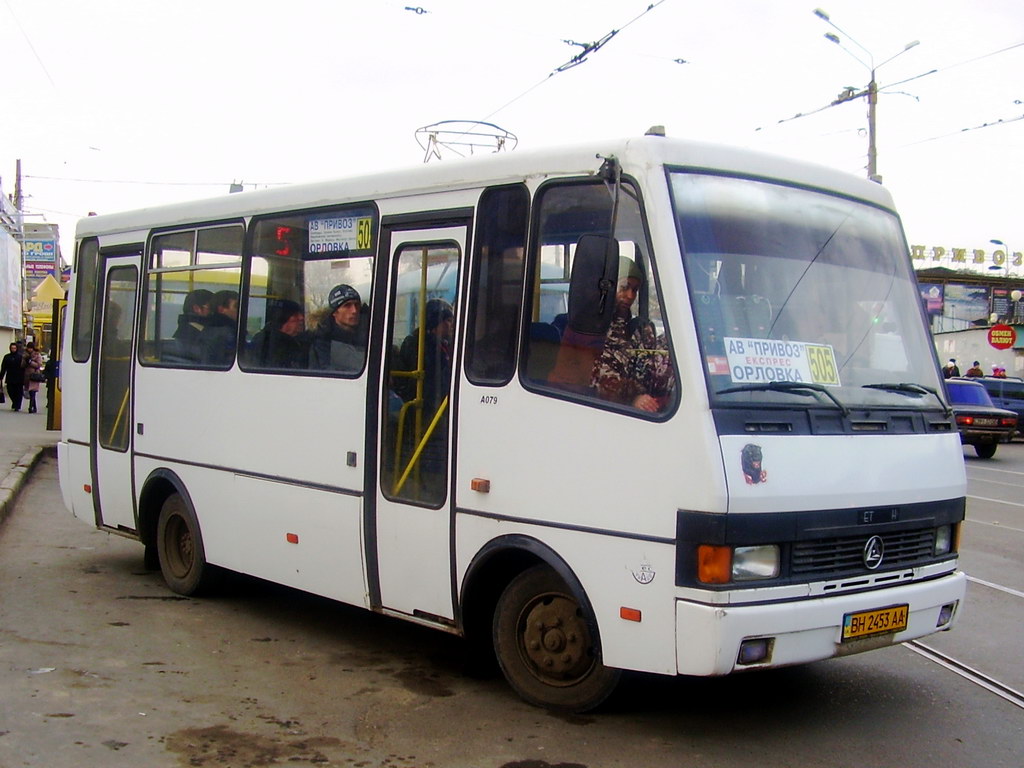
(339, 342)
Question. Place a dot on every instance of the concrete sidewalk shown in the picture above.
(23, 440)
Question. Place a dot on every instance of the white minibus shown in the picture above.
(642, 404)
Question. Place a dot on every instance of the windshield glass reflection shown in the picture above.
(800, 287)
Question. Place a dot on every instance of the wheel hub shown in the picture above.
(556, 640)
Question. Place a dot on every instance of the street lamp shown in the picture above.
(849, 94)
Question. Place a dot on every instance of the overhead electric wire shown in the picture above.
(983, 56)
(1000, 121)
(579, 58)
(881, 88)
(30, 45)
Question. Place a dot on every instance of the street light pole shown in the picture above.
(872, 145)
(871, 91)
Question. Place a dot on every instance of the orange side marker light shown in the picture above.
(629, 614)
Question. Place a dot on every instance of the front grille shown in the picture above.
(845, 554)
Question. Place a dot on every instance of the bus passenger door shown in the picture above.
(409, 525)
(113, 497)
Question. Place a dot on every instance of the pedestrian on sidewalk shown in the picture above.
(33, 374)
(12, 372)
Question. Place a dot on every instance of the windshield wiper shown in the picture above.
(910, 388)
(804, 388)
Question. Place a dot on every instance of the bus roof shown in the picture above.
(502, 168)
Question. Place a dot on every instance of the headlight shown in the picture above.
(755, 562)
(943, 539)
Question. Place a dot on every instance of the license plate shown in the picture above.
(877, 622)
(986, 422)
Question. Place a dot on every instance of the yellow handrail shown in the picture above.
(422, 444)
(120, 415)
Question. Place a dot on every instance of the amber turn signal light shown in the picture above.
(714, 564)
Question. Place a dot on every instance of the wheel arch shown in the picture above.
(493, 568)
(158, 486)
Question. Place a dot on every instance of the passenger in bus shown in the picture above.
(217, 339)
(339, 340)
(191, 322)
(439, 323)
(283, 342)
(627, 363)
(437, 356)
(634, 367)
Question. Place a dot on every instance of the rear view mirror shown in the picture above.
(592, 284)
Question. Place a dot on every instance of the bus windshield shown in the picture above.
(801, 297)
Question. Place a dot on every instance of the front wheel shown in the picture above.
(179, 545)
(545, 646)
(986, 450)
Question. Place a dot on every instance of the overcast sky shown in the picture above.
(182, 98)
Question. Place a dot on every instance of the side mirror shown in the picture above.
(592, 284)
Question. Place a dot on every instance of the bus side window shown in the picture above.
(497, 289)
(191, 303)
(613, 346)
(307, 294)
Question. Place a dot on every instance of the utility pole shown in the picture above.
(17, 184)
(872, 144)
(870, 92)
(20, 236)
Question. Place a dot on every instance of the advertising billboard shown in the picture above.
(10, 281)
(40, 256)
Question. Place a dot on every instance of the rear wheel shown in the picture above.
(986, 450)
(180, 547)
(544, 644)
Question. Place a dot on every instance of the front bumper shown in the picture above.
(708, 637)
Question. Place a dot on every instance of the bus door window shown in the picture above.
(307, 293)
(192, 285)
(496, 297)
(419, 368)
(593, 284)
(114, 414)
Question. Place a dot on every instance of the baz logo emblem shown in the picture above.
(645, 574)
(874, 551)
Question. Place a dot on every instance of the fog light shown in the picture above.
(943, 539)
(755, 651)
(946, 614)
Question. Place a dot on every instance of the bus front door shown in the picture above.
(410, 542)
(113, 498)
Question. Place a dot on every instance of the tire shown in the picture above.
(986, 450)
(179, 546)
(545, 645)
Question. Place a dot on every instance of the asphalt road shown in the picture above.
(100, 664)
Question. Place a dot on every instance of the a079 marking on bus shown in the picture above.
(489, 400)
